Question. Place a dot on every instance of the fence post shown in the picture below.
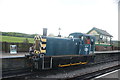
(5, 43)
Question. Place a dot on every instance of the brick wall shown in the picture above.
(103, 48)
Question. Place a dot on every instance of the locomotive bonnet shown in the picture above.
(74, 44)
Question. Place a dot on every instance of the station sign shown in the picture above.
(13, 49)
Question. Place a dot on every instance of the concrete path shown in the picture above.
(6, 55)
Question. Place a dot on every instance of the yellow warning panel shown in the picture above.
(43, 45)
(43, 40)
(43, 51)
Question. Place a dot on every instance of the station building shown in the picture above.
(103, 39)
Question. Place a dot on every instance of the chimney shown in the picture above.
(44, 31)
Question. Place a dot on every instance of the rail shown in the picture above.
(91, 76)
(15, 73)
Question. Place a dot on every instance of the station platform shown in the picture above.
(8, 55)
(106, 51)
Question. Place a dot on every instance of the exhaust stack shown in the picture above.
(44, 31)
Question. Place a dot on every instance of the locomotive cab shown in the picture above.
(88, 43)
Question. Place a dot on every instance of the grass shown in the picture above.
(16, 39)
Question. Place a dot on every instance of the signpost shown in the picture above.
(13, 49)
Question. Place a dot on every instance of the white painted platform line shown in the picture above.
(107, 74)
(107, 51)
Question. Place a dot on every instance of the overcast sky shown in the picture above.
(30, 16)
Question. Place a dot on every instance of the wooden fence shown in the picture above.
(21, 47)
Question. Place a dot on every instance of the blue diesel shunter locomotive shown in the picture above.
(52, 52)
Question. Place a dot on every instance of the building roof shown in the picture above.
(78, 34)
(100, 31)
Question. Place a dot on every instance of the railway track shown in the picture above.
(91, 76)
(15, 73)
(86, 72)
(27, 74)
